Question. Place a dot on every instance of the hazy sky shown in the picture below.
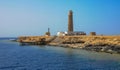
(33, 17)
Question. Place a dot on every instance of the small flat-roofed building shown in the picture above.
(92, 33)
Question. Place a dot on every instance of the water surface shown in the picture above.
(16, 57)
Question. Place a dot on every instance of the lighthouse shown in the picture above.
(70, 21)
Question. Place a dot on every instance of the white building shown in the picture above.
(61, 34)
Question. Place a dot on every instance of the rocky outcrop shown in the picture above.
(109, 44)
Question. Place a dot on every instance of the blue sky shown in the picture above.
(33, 17)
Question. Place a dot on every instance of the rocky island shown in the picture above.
(109, 44)
(75, 39)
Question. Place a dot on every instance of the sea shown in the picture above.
(14, 56)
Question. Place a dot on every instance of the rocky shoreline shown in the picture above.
(107, 49)
(106, 44)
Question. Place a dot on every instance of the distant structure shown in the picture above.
(70, 21)
(48, 33)
(92, 33)
(76, 33)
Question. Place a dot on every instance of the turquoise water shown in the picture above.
(16, 57)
